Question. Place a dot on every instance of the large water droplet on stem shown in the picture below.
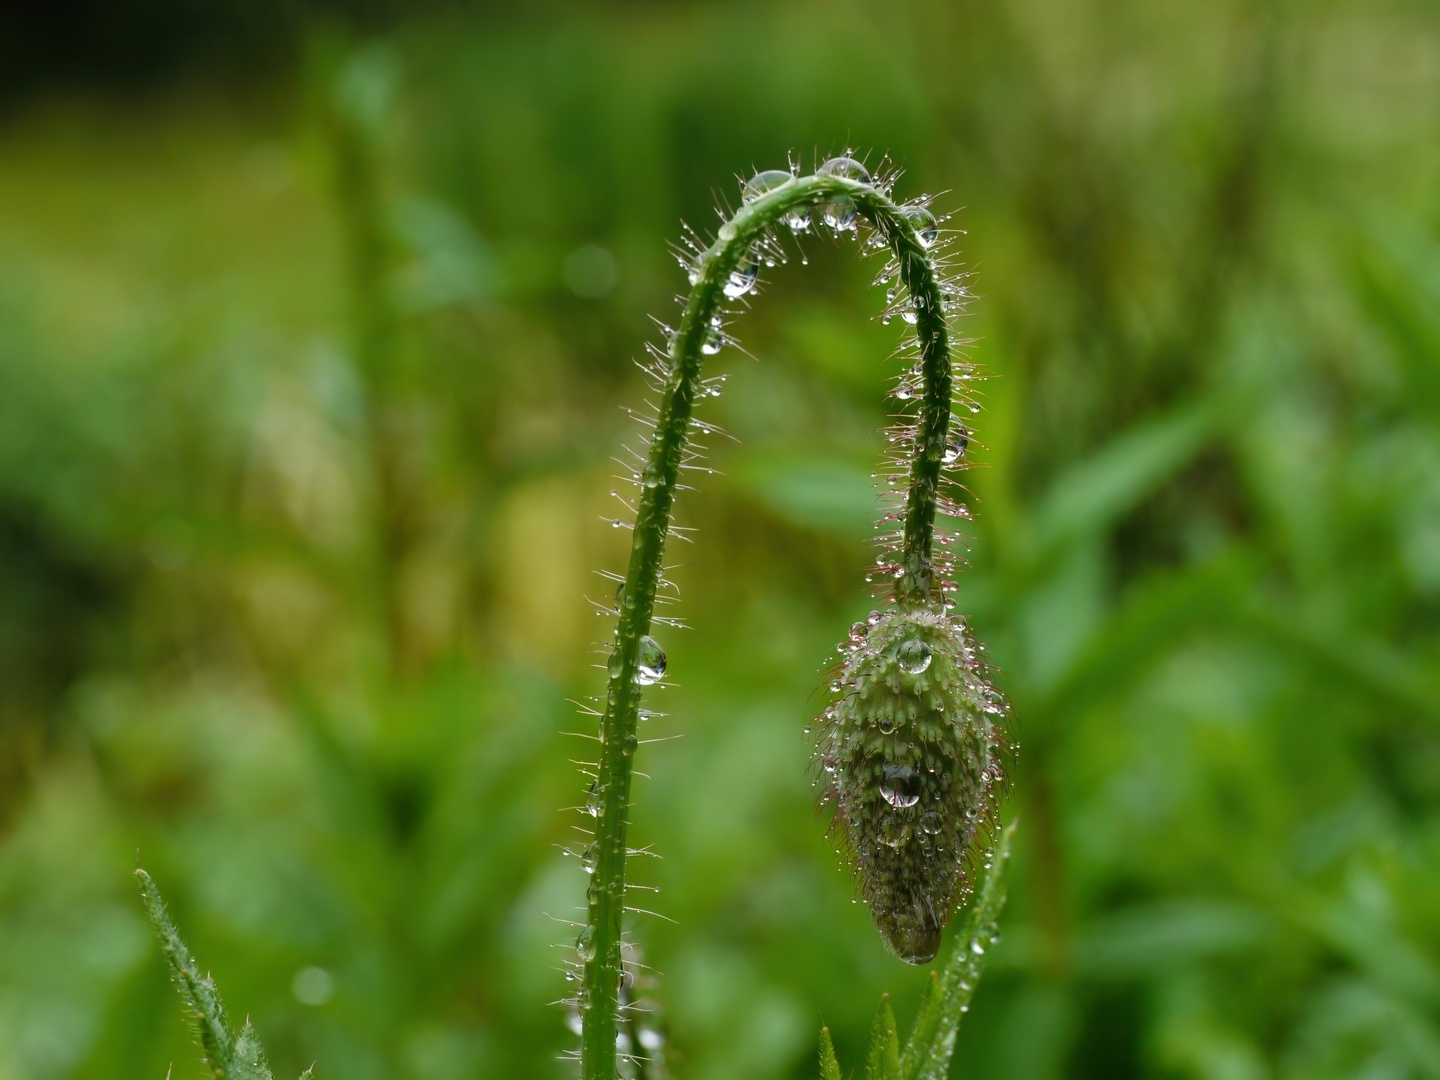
(650, 663)
(742, 278)
(585, 944)
(839, 212)
(923, 222)
(956, 447)
(761, 182)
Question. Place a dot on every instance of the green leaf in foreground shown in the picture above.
(884, 1063)
(829, 1067)
(229, 1056)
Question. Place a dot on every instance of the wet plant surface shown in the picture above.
(311, 371)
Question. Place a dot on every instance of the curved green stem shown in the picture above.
(915, 585)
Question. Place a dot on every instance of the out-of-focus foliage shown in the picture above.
(307, 396)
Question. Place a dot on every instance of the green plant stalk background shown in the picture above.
(737, 239)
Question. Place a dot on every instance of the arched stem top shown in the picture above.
(733, 253)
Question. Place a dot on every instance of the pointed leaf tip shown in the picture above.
(884, 1060)
(829, 1067)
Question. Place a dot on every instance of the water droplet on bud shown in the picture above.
(900, 786)
(913, 656)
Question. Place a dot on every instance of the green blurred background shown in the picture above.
(316, 322)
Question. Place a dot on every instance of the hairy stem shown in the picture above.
(916, 583)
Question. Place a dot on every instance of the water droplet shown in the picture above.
(976, 947)
(616, 524)
(894, 833)
(900, 786)
(742, 279)
(909, 316)
(886, 724)
(650, 664)
(650, 1039)
(858, 631)
(712, 343)
(923, 222)
(762, 182)
(589, 858)
(585, 944)
(575, 1023)
(913, 655)
(798, 218)
(956, 447)
(839, 212)
(932, 823)
(846, 167)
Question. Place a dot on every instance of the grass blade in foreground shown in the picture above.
(928, 1051)
(230, 1056)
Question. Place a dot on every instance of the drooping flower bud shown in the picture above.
(909, 759)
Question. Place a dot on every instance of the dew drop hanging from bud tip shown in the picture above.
(650, 664)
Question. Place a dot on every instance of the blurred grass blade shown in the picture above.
(230, 1058)
(884, 1063)
(1094, 492)
(927, 1053)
